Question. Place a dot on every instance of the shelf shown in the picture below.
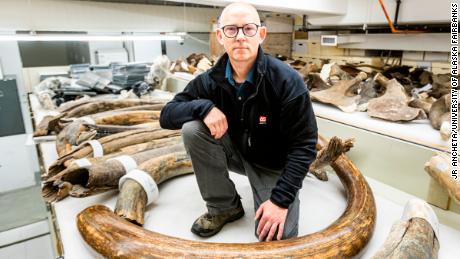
(417, 132)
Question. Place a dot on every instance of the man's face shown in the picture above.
(241, 47)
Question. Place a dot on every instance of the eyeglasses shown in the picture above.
(231, 31)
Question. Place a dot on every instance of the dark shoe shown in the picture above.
(208, 225)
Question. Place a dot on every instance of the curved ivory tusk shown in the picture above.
(114, 237)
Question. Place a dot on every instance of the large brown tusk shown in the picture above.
(111, 144)
(114, 237)
(132, 199)
(106, 105)
(329, 153)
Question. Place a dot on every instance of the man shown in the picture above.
(250, 114)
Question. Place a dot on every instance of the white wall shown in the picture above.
(18, 162)
(101, 17)
(102, 45)
(146, 51)
(290, 6)
(12, 65)
(439, 42)
(175, 51)
(360, 12)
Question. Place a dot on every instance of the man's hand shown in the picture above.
(216, 123)
(271, 217)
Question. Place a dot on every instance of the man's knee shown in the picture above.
(193, 129)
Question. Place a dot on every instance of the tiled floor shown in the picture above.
(37, 248)
(24, 231)
(21, 207)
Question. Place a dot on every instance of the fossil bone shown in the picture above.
(325, 156)
(439, 169)
(112, 236)
(393, 105)
(71, 133)
(102, 174)
(111, 144)
(341, 94)
(315, 83)
(92, 107)
(414, 236)
(440, 114)
(132, 199)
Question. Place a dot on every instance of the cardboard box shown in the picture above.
(300, 35)
(314, 48)
(332, 51)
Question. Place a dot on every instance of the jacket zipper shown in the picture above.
(244, 104)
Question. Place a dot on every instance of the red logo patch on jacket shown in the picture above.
(262, 119)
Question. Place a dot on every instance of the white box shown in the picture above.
(357, 52)
(437, 56)
(412, 55)
(300, 47)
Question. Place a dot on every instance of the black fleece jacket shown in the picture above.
(275, 128)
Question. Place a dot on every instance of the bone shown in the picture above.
(69, 136)
(440, 113)
(101, 175)
(111, 144)
(439, 168)
(441, 85)
(132, 199)
(368, 91)
(106, 105)
(340, 94)
(86, 108)
(393, 105)
(421, 104)
(112, 236)
(48, 124)
(337, 74)
(67, 106)
(414, 236)
(307, 69)
(327, 155)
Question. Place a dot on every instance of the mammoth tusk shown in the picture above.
(414, 236)
(132, 199)
(111, 144)
(329, 153)
(114, 237)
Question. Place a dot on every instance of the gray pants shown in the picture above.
(212, 158)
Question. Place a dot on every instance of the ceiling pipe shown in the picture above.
(398, 3)
(393, 29)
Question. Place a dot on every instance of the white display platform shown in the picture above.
(180, 203)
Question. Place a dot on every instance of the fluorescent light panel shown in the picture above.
(88, 37)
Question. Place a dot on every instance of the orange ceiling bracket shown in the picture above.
(392, 27)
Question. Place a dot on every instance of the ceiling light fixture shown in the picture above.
(89, 37)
